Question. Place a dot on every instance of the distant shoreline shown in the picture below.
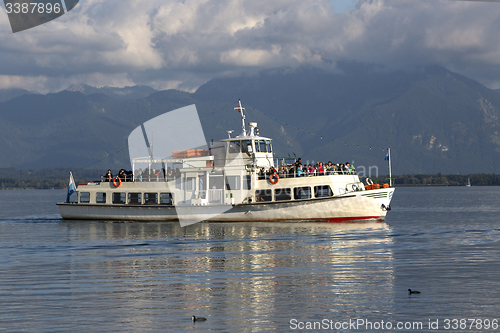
(394, 185)
(58, 178)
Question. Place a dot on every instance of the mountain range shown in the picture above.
(433, 120)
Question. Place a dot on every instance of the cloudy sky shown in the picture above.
(184, 43)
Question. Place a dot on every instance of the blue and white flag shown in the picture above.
(71, 186)
(386, 157)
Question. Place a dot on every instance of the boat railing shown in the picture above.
(286, 167)
(149, 178)
(123, 179)
(293, 172)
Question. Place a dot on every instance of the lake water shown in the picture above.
(68, 276)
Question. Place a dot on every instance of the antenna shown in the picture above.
(240, 110)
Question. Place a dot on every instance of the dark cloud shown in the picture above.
(182, 44)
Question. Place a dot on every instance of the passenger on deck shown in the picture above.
(310, 170)
(262, 173)
(329, 168)
(300, 172)
(350, 168)
(170, 174)
(271, 171)
(321, 171)
(108, 177)
(138, 174)
(282, 172)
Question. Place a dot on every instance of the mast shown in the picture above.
(390, 169)
(240, 110)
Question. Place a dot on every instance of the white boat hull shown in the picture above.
(362, 205)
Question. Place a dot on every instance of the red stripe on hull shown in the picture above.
(330, 219)
(343, 219)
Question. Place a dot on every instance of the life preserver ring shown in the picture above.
(354, 187)
(274, 179)
(369, 181)
(117, 181)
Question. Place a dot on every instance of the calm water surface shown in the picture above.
(68, 276)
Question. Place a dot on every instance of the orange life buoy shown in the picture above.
(117, 181)
(274, 180)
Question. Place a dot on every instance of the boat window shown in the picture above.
(262, 146)
(302, 192)
(234, 147)
(269, 146)
(232, 183)
(247, 182)
(166, 199)
(216, 181)
(246, 146)
(84, 197)
(282, 194)
(190, 183)
(134, 198)
(150, 198)
(322, 191)
(100, 197)
(263, 195)
(119, 197)
(201, 182)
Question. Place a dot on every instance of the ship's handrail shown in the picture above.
(316, 173)
(123, 179)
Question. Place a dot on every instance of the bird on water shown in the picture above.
(413, 291)
(199, 318)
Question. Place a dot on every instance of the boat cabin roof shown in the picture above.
(240, 137)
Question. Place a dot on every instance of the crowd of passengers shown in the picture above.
(124, 175)
(298, 169)
(144, 175)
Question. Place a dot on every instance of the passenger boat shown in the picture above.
(223, 182)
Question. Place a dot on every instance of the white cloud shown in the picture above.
(183, 43)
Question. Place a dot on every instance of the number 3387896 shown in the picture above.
(32, 8)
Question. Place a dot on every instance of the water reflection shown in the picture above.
(134, 277)
(246, 275)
